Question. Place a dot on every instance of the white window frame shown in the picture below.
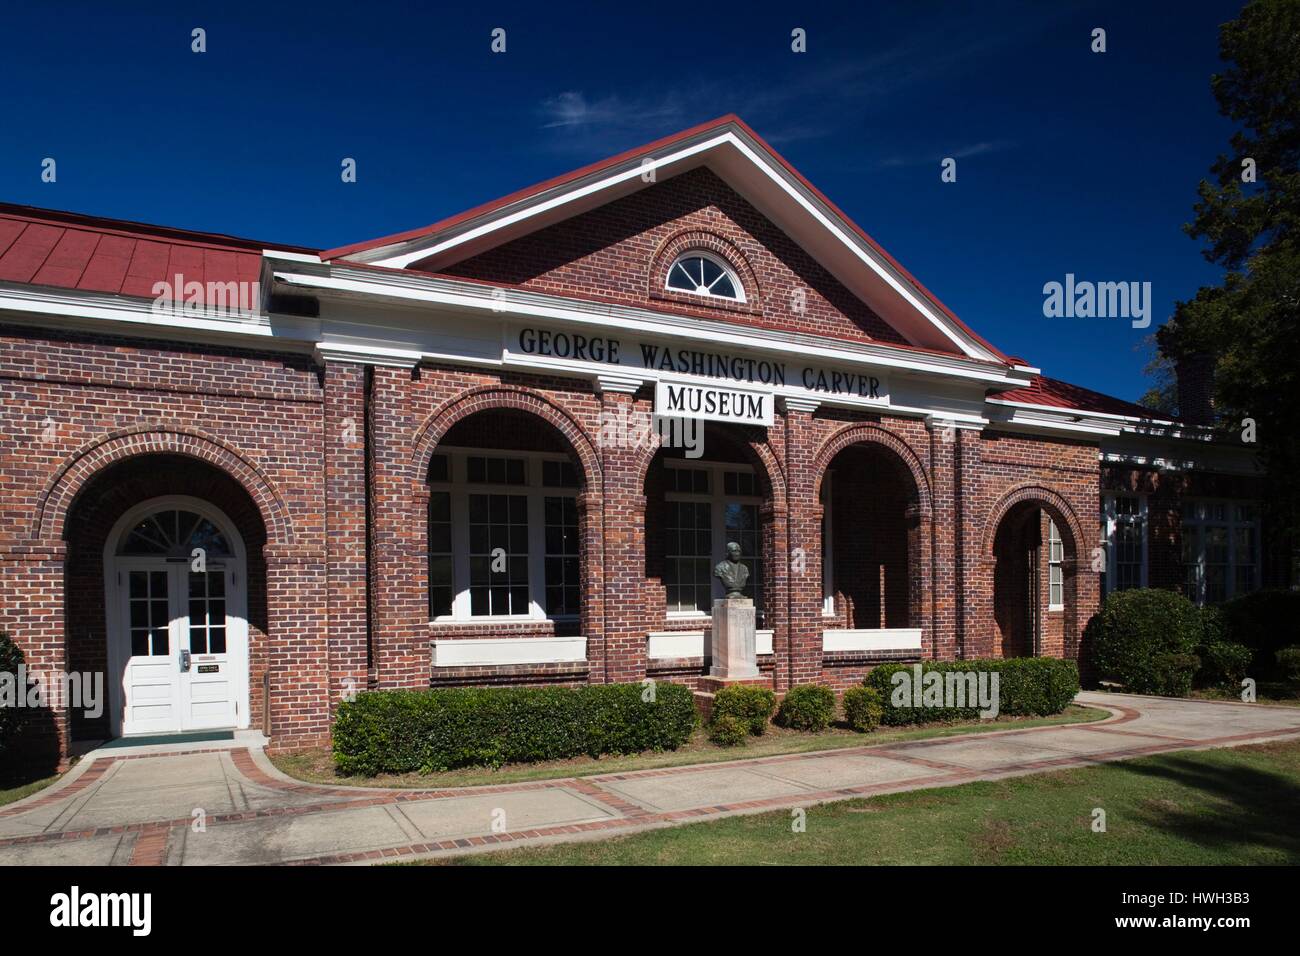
(828, 549)
(1055, 571)
(717, 499)
(1199, 522)
(706, 294)
(1112, 519)
(460, 489)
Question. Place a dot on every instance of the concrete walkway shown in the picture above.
(229, 805)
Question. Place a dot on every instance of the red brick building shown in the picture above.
(441, 458)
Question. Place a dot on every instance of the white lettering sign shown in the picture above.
(717, 403)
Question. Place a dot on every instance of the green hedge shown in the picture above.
(729, 731)
(1265, 621)
(863, 709)
(1027, 687)
(748, 703)
(808, 707)
(1146, 639)
(402, 731)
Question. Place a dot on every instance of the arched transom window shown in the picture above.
(174, 533)
(701, 274)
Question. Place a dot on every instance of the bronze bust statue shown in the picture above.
(731, 572)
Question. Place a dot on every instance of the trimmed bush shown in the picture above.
(11, 718)
(1027, 687)
(1265, 621)
(729, 731)
(1146, 639)
(750, 704)
(863, 709)
(401, 731)
(1288, 660)
(1222, 664)
(807, 707)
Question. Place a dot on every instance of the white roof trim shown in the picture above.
(402, 254)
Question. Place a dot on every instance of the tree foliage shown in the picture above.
(1250, 323)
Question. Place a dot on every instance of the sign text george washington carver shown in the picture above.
(736, 400)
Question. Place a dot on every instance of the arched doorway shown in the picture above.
(176, 618)
(1033, 557)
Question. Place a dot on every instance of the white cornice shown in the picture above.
(527, 305)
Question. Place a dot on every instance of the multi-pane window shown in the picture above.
(498, 555)
(503, 536)
(1220, 549)
(688, 561)
(703, 275)
(441, 579)
(207, 598)
(150, 617)
(563, 587)
(707, 506)
(1126, 542)
(1055, 578)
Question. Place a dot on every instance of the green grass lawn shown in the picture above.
(317, 765)
(1231, 806)
(10, 793)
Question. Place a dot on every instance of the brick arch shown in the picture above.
(870, 434)
(726, 250)
(148, 438)
(749, 439)
(491, 397)
(1047, 499)
(984, 579)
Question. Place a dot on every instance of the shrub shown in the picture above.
(729, 731)
(863, 708)
(1223, 664)
(1288, 660)
(1144, 638)
(1265, 621)
(400, 731)
(1027, 687)
(751, 705)
(807, 707)
(11, 718)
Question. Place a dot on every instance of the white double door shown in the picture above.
(182, 646)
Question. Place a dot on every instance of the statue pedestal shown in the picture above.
(733, 649)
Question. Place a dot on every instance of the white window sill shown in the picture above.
(1051, 608)
(498, 651)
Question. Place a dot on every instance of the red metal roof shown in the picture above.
(72, 251)
(1058, 394)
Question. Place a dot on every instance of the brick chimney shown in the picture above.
(1195, 374)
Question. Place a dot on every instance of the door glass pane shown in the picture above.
(207, 611)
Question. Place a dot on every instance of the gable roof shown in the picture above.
(749, 165)
(90, 253)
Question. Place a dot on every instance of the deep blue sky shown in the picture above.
(1068, 161)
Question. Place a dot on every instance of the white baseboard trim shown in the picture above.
(496, 651)
(873, 639)
(662, 645)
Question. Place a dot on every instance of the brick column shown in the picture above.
(945, 600)
(398, 538)
(297, 646)
(800, 661)
(974, 599)
(626, 617)
(32, 612)
(345, 525)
